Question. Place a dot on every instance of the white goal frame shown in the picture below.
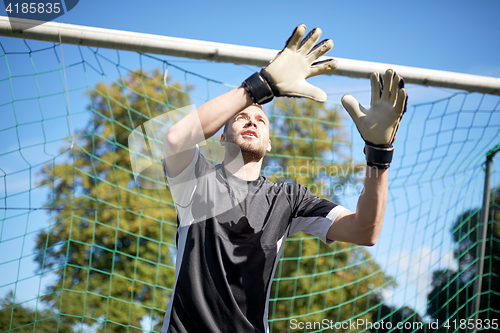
(228, 53)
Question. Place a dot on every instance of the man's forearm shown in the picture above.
(364, 226)
(206, 120)
(201, 124)
(216, 112)
(370, 210)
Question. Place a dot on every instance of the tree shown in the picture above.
(112, 248)
(453, 293)
(26, 320)
(309, 146)
(338, 282)
(409, 320)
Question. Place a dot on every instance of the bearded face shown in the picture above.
(248, 133)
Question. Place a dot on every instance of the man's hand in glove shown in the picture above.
(286, 75)
(378, 125)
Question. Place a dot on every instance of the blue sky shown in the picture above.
(458, 36)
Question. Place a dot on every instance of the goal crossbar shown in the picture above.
(228, 53)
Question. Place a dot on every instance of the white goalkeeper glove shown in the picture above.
(379, 124)
(286, 75)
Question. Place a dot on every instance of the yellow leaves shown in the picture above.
(363, 289)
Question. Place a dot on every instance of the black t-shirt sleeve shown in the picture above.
(309, 205)
(184, 184)
(311, 213)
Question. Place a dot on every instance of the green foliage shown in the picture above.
(111, 262)
(453, 293)
(27, 320)
(309, 145)
(316, 281)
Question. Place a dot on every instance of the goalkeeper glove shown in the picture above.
(379, 124)
(286, 75)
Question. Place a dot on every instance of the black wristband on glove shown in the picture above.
(259, 87)
(378, 156)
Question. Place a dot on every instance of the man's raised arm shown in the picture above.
(199, 125)
(377, 127)
(284, 76)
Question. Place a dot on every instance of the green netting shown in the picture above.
(84, 249)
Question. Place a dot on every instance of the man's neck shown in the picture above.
(246, 171)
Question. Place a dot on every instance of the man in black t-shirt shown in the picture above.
(233, 222)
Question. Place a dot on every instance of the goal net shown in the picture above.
(86, 246)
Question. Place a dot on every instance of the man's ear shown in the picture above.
(222, 139)
(268, 146)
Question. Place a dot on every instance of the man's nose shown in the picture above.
(251, 122)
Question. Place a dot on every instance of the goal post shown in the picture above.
(220, 52)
